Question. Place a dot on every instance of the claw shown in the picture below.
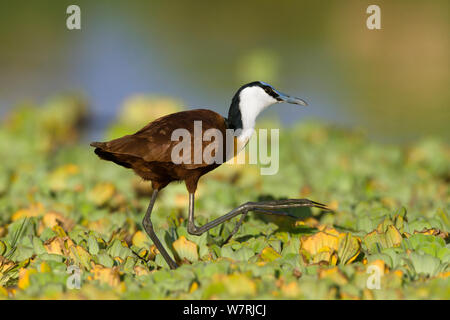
(291, 203)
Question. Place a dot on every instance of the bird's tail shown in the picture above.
(97, 144)
(109, 156)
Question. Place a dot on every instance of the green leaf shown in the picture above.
(38, 246)
(425, 264)
(105, 260)
(93, 245)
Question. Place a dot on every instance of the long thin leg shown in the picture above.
(265, 207)
(148, 226)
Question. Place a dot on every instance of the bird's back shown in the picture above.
(151, 147)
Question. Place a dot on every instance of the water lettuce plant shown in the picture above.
(70, 225)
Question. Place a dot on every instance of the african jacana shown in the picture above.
(149, 153)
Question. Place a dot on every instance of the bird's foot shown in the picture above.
(269, 207)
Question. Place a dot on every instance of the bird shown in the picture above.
(150, 154)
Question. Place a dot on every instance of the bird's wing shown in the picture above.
(154, 142)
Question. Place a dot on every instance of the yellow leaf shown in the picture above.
(141, 271)
(237, 284)
(399, 273)
(334, 205)
(186, 250)
(330, 246)
(59, 231)
(106, 275)
(194, 286)
(290, 290)
(122, 287)
(181, 200)
(309, 222)
(119, 260)
(24, 277)
(3, 292)
(379, 264)
(33, 210)
(143, 253)
(52, 219)
(140, 239)
(433, 232)
(58, 177)
(329, 230)
(102, 193)
(444, 275)
(44, 267)
(317, 242)
(334, 274)
(58, 245)
(101, 225)
(2, 232)
(55, 245)
(5, 265)
(153, 252)
(269, 254)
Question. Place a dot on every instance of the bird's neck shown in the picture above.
(234, 120)
(242, 116)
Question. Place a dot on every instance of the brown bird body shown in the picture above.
(149, 152)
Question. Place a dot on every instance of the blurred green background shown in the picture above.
(393, 82)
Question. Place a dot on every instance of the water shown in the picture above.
(201, 55)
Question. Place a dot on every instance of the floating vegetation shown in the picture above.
(61, 208)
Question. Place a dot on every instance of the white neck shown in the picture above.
(253, 100)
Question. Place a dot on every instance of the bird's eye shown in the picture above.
(268, 90)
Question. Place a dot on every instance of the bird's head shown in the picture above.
(262, 95)
(251, 99)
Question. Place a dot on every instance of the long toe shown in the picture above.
(276, 213)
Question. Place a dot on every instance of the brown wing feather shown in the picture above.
(153, 143)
